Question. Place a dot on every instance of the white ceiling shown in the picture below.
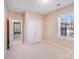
(37, 6)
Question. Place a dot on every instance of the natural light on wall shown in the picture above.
(44, 1)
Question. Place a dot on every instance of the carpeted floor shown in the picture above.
(41, 50)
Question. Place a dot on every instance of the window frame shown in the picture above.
(59, 33)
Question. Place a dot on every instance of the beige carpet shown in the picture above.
(41, 50)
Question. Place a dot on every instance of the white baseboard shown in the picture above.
(61, 46)
(32, 42)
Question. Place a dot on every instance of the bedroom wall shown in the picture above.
(52, 27)
(16, 15)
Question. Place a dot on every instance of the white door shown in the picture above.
(34, 30)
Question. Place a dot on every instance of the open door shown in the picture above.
(8, 40)
(9, 33)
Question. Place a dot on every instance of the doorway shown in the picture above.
(14, 32)
(17, 32)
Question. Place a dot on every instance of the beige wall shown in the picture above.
(52, 27)
(16, 15)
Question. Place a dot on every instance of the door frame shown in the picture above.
(11, 31)
(21, 27)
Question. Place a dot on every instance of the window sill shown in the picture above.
(66, 38)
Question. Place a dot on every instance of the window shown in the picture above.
(63, 31)
(17, 28)
(66, 26)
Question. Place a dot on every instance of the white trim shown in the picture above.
(11, 33)
(67, 38)
(59, 26)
